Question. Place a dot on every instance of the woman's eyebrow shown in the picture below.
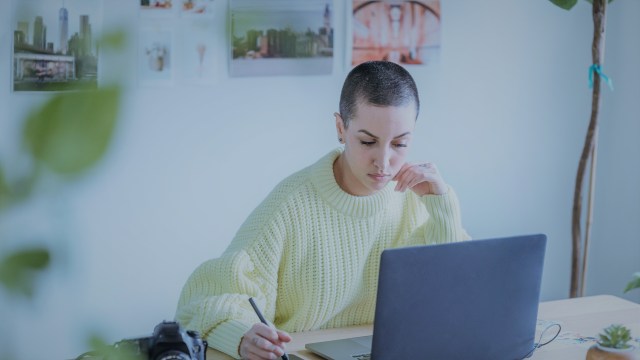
(375, 137)
(368, 133)
(403, 135)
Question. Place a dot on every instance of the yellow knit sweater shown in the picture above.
(309, 254)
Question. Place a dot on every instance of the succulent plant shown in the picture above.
(615, 336)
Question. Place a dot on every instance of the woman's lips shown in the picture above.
(378, 177)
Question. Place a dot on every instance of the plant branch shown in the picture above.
(597, 53)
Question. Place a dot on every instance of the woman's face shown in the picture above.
(376, 145)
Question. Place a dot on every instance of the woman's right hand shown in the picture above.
(262, 342)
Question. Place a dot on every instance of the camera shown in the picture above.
(168, 342)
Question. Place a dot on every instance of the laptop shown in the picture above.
(474, 299)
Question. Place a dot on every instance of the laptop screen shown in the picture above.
(468, 300)
(474, 299)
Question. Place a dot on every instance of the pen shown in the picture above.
(264, 321)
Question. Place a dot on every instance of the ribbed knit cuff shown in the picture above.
(226, 337)
(443, 206)
(447, 222)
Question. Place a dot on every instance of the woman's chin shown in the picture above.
(376, 186)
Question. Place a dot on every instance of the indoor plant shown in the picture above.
(613, 345)
(580, 241)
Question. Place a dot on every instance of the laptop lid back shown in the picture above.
(474, 299)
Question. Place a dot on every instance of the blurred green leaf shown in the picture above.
(19, 190)
(22, 188)
(634, 283)
(114, 40)
(4, 190)
(72, 130)
(18, 270)
(565, 4)
(121, 351)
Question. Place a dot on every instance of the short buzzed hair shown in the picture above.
(380, 83)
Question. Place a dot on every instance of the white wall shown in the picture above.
(504, 115)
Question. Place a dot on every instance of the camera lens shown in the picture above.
(173, 355)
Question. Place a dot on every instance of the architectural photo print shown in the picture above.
(54, 45)
(281, 37)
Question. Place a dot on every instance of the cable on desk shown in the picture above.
(539, 344)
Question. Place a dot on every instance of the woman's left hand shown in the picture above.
(422, 179)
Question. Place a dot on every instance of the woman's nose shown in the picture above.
(381, 159)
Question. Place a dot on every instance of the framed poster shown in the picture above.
(155, 53)
(196, 8)
(176, 42)
(402, 31)
(54, 45)
(156, 7)
(197, 51)
(281, 37)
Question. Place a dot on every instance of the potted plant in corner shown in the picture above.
(613, 345)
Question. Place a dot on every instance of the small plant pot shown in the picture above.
(597, 352)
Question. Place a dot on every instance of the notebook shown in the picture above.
(474, 299)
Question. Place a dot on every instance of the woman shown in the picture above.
(309, 253)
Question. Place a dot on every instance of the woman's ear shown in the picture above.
(340, 127)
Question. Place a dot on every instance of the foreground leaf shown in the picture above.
(110, 352)
(4, 190)
(18, 271)
(72, 131)
(114, 39)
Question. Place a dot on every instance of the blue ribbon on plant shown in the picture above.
(596, 69)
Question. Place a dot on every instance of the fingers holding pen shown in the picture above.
(284, 336)
(263, 342)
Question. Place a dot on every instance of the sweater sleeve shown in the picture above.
(214, 300)
(444, 223)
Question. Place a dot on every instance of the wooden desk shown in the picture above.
(581, 319)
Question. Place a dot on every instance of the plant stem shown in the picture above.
(590, 199)
(578, 257)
